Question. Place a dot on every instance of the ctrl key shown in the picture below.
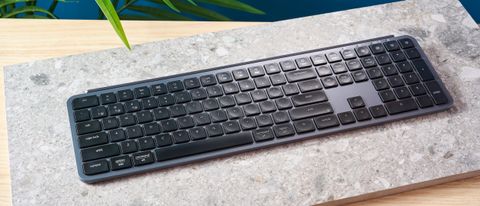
(96, 167)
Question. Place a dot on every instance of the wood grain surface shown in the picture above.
(27, 40)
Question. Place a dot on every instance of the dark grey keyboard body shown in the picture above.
(159, 123)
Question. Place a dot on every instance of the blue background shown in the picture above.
(275, 9)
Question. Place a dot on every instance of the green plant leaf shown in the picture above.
(192, 2)
(234, 4)
(34, 17)
(170, 5)
(197, 11)
(109, 12)
(7, 2)
(28, 9)
(157, 13)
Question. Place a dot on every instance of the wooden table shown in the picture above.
(27, 40)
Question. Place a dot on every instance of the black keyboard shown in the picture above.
(164, 122)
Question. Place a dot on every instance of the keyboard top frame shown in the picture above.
(255, 145)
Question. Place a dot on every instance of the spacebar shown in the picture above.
(201, 146)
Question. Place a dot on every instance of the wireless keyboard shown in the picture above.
(168, 121)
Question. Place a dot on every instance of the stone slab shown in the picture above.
(320, 170)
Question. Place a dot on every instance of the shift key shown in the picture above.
(311, 110)
(98, 152)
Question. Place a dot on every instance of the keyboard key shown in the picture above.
(262, 82)
(93, 139)
(404, 67)
(197, 133)
(309, 98)
(161, 113)
(191, 83)
(84, 102)
(175, 86)
(117, 135)
(134, 132)
(82, 115)
(163, 140)
(152, 128)
(280, 117)
(278, 79)
(219, 115)
(231, 88)
(248, 123)
(318, 59)
(246, 85)
(95, 167)
(377, 48)
(339, 68)
(129, 146)
(378, 111)
(264, 120)
(98, 152)
(395, 81)
(362, 51)
(303, 62)
(273, 92)
(159, 89)
(127, 120)
(224, 77)
(398, 56)
(116, 109)
(166, 100)
(401, 106)
(231, 127)
(417, 89)
(144, 116)
(354, 65)
(406, 43)
(380, 84)
(436, 91)
(88, 127)
(374, 73)
(203, 146)
(383, 59)
(143, 158)
(300, 75)
(228, 101)
(329, 82)
(214, 130)
(121, 162)
(151, 102)
(267, 106)
(389, 70)
(348, 54)
(256, 71)
(410, 78)
(258, 95)
(368, 62)
(402, 92)
(423, 70)
(202, 118)
(214, 91)
(284, 130)
(362, 114)
(290, 89)
(412, 53)
(208, 80)
(251, 109)
(142, 92)
(326, 121)
(392, 45)
(108, 98)
(146, 143)
(303, 126)
(180, 137)
(99, 112)
(110, 123)
(169, 125)
(263, 134)
(324, 71)
(234, 113)
(125, 95)
(346, 117)
(272, 68)
(333, 57)
(386, 95)
(424, 101)
(310, 85)
(310, 111)
(288, 66)
(130, 106)
(240, 74)
(359, 76)
(177, 110)
(356, 102)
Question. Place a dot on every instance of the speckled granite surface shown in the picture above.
(315, 171)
